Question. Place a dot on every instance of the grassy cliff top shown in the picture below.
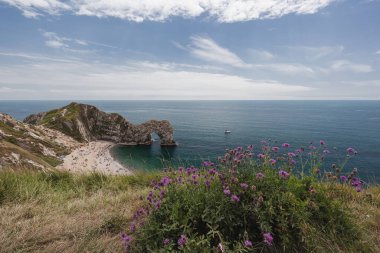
(55, 211)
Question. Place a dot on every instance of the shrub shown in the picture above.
(247, 202)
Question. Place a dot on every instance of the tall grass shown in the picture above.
(63, 212)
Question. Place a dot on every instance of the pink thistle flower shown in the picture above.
(259, 175)
(248, 244)
(268, 238)
(235, 198)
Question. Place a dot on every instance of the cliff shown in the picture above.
(30, 146)
(87, 123)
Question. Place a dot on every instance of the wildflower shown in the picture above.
(165, 181)
(275, 149)
(235, 198)
(250, 147)
(322, 142)
(292, 162)
(126, 239)
(182, 240)
(343, 178)
(181, 169)
(286, 145)
(207, 183)
(283, 174)
(166, 242)
(132, 228)
(298, 151)
(157, 205)
(272, 161)
(268, 238)
(248, 244)
(326, 151)
(244, 185)
(259, 175)
(261, 156)
(350, 151)
(207, 164)
(212, 171)
(227, 191)
(291, 154)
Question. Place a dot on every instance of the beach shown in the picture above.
(94, 157)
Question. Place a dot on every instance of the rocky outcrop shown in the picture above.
(30, 146)
(87, 123)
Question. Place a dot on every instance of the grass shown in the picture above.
(62, 212)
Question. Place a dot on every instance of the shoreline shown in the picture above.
(94, 157)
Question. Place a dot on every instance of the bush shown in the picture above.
(248, 203)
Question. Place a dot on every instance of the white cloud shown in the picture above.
(59, 80)
(378, 52)
(347, 66)
(263, 55)
(226, 11)
(315, 53)
(206, 49)
(286, 68)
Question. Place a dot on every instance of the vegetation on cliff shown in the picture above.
(24, 145)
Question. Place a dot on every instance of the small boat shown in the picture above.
(227, 131)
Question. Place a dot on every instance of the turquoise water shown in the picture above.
(199, 127)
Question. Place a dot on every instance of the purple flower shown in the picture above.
(244, 185)
(227, 191)
(259, 175)
(350, 151)
(343, 178)
(268, 238)
(157, 205)
(293, 162)
(207, 183)
(165, 181)
(275, 149)
(322, 142)
(235, 198)
(250, 147)
(298, 151)
(261, 156)
(166, 242)
(212, 171)
(286, 145)
(272, 161)
(132, 228)
(326, 151)
(356, 182)
(207, 164)
(182, 240)
(126, 238)
(283, 174)
(290, 154)
(248, 244)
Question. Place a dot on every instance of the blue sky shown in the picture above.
(199, 49)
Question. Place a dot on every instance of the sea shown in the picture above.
(200, 129)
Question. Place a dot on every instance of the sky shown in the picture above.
(190, 49)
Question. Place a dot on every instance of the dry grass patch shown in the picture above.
(88, 218)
